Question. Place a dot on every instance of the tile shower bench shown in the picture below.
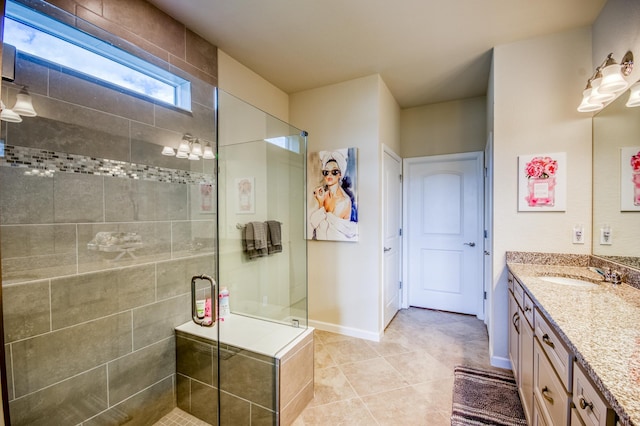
(266, 371)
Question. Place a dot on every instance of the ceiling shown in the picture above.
(427, 51)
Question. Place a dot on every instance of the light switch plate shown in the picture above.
(578, 234)
(606, 236)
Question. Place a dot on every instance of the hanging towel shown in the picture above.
(274, 240)
(259, 239)
(248, 245)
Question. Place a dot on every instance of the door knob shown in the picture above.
(386, 249)
(471, 244)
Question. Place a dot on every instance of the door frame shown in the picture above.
(401, 295)
(478, 156)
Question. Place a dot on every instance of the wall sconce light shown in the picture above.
(607, 83)
(190, 148)
(22, 108)
(634, 95)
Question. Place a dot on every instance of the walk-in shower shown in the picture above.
(101, 233)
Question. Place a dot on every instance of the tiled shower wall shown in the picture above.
(89, 333)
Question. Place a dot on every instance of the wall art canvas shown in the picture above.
(542, 182)
(332, 195)
(206, 198)
(246, 196)
(630, 178)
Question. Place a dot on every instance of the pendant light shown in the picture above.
(24, 105)
(8, 115)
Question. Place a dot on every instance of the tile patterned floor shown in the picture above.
(405, 379)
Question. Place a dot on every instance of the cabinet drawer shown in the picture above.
(527, 308)
(575, 418)
(591, 406)
(554, 349)
(548, 390)
(518, 291)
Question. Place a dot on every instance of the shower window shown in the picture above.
(50, 40)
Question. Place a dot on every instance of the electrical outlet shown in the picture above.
(606, 236)
(578, 234)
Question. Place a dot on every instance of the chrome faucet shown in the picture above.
(616, 277)
(611, 276)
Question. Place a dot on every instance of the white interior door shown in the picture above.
(444, 232)
(392, 204)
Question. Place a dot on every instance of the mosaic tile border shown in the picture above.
(45, 163)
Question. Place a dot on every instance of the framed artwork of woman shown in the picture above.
(332, 204)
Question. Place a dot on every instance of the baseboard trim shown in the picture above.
(501, 362)
(346, 331)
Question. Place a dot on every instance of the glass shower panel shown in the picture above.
(261, 213)
(100, 236)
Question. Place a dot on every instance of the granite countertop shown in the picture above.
(600, 325)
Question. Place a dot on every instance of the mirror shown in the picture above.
(616, 130)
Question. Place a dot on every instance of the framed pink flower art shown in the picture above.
(630, 178)
(542, 182)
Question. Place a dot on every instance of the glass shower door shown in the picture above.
(262, 264)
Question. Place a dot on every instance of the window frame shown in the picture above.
(72, 35)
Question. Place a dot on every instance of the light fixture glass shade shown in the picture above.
(184, 147)
(182, 154)
(193, 157)
(208, 153)
(587, 105)
(634, 95)
(612, 79)
(24, 105)
(597, 96)
(196, 148)
(167, 150)
(8, 115)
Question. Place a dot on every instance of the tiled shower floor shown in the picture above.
(177, 417)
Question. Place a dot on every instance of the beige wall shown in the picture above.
(444, 128)
(537, 85)
(239, 81)
(344, 286)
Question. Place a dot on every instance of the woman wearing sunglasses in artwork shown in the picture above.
(334, 213)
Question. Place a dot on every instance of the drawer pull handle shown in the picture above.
(584, 404)
(545, 338)
(545, 391)
(527, 308)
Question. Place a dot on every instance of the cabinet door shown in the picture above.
(514, 335)
(548, 389)
(591, 407)
(537, 416)
(526, 366)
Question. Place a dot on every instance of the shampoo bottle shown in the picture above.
(223, 303)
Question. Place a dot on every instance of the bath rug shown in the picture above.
(485, 397)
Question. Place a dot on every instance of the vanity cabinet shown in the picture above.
(554, 389)
(521, 343)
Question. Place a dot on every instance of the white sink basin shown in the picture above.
(568, 281)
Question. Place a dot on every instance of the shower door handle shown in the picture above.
(204, 322)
